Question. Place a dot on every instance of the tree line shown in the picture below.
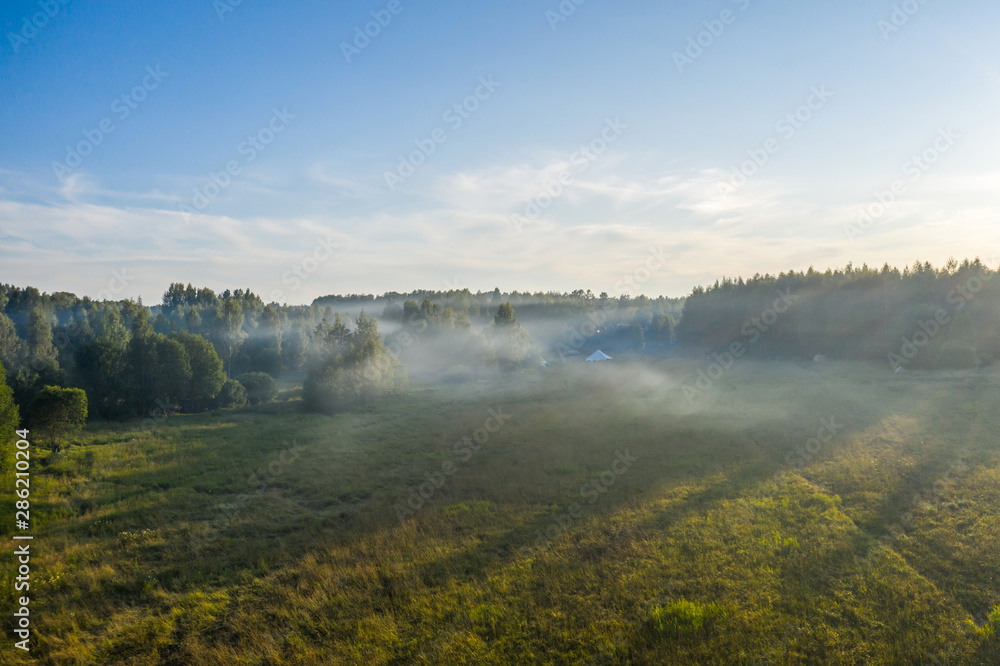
(917, 317)
(199, 349)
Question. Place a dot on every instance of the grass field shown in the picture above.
(793, 513)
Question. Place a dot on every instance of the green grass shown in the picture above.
(269, 536)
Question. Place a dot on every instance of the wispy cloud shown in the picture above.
(459, 224)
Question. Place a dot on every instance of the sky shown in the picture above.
(308, 148)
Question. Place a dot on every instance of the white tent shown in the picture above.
(598, 356)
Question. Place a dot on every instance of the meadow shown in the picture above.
(587, 514)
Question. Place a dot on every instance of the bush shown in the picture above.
(993, 623)
(232, 394)
(57, 411)
(990, 628)
(260, 387)
(335, 387)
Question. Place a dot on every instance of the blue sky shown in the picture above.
(191, 88)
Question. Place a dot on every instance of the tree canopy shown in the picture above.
(57, 411)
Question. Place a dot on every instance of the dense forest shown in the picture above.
(920, 317)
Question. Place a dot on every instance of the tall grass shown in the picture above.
(198, 543)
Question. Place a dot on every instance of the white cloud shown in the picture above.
(457, 228)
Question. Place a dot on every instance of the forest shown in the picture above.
(199, 350)
(917, 317)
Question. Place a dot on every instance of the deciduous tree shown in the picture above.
(57, 411)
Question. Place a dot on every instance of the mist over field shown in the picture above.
(796, 467)
(558, 332)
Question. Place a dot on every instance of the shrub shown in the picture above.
(260, 387)
(992, 628)
(336, 387)
(57, 411)
(232, 394)
(357, 369)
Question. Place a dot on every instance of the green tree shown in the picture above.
(229, 328)
(9, 421)
(260, 387)
(662, 328)
(12, 349)
(143, 366)
(106, 322)
(175, 297)
(261, 352)
(505, 316)
(511, 343)
(207, 375)
(232, 394)
(102, 369)
(363, 372)
(412, 316)
(57, 411)
(172, 379)
(365, 342)
(40, 346)
(431, 311)
(192, 321)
